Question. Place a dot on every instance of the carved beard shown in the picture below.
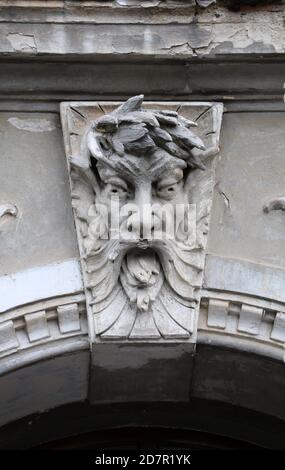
(141, 270)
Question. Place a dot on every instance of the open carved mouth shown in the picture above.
(142, 264)
(141, 275)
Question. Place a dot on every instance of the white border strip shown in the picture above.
(245, 277)
(39, 283)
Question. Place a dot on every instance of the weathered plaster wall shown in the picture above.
(251, 170)
(33, 177)
(169, 29)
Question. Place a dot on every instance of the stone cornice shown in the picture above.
(153, 29)
(71, 79)
(241, 322)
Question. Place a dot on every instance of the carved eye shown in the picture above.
(168, 191)
(168, 185)
(118, 191)
(117, 188)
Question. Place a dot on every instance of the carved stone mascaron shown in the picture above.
(142, 178)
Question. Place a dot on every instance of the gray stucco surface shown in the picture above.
(251, 169)
(34, 178)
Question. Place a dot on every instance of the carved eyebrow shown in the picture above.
(168, 182)
(117, 181)
(165, 185)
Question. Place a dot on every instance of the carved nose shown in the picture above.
(141, 223)
(144, 201)
(146, 228)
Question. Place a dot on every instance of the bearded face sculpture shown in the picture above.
(142, 184)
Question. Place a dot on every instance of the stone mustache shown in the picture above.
(137, 166)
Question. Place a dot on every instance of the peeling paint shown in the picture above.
(173, 28)
(181, 48)
(32, 125)
(22, 42)
(246, 38)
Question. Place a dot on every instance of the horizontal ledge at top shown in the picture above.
(51, 105)
(112, 80)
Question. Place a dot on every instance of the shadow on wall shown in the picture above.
(234, 5)
(200, 425)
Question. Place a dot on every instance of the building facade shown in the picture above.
(139, 335)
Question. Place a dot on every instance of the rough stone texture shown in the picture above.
(155, 29)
